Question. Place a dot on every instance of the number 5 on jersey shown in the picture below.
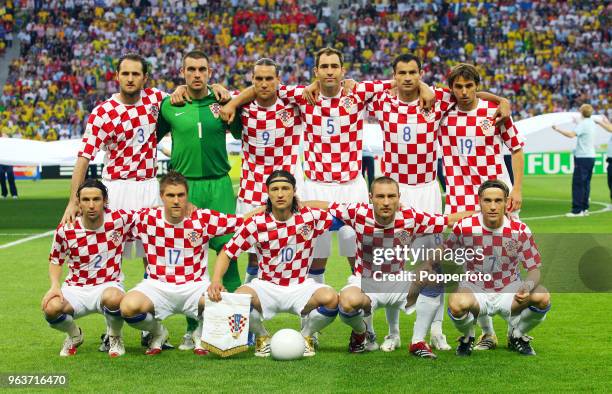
(330, 126)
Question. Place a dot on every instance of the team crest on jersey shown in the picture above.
(115, 237)
(236, 323)
(154, 111)
(486, 125)
(285, 117)
(402, 238)
(194, 238)
(305, 231)
(346, 102)
(215, 108)
(512, 247)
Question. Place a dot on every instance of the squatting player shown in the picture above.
(506, 243)
(410, 135)
(283, 238)
(199, 153)
(382, 224)
(177, 261)
(92, 247)
(472, 153)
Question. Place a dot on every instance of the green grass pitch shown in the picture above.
(574, 344)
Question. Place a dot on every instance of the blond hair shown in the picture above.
(586, 110)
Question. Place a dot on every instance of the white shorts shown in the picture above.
(169, 299)
(424, 198)
(395, 298)
(277, 299)
(132, 195)
(87, 299)
(352, 191)
(492, 302)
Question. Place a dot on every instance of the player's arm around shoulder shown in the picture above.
(164, 120)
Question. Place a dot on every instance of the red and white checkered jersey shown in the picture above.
(270, 141)
(333, 131)
(502, 250)
(93, 256)
(178, 253)
(284, 249)
(127, 134)
(372, 236)
(472, 152)
(410, 136)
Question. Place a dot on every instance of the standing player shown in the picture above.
(283, 237)
(472, 153)
(92, 247)
(199, 153)
(382, 224)
(506, 244)
(410, 158)
(177, 261)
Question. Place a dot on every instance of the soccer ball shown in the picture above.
(287, 344)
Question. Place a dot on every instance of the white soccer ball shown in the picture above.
(287, 344)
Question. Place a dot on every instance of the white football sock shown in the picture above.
(530, 318)
(486, 323)
(114, 321)
(436, 324)
(393, 318)
(318, 319)
(144, 322)
(256, 325)
(354, 320)
(369, 321)
(65, 323)
(465, 323)
(425, 311)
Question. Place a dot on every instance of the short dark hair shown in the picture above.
(95, 183)
(467, 71)
(406, 58)
(327, 51)
(195, 55)
(494, 183)
(283, 175)
(266, 61)
(136, 58)
(383, 180)
(172, 178)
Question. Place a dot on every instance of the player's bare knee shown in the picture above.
(350, 301)
(111, 298)
(459, 304)
(540, 297)
(130, 305)
(54, 308)
(328, 298)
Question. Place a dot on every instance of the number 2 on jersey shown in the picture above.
(97, 261)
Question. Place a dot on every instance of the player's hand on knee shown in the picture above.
(51, 294)
(221, 94)
(522, 295)
(180, 96)
(214, 291)
(227, 113)
(504, 110)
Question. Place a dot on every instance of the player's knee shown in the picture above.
(540, 298)
(328, 298)
(252, 260)
(349, 301)
(112, 299)
(54, 308)
(130, 305)
(458, 304)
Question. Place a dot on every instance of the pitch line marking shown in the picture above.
(27, 239)
(606, 208)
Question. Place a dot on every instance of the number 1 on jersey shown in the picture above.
(200, 130)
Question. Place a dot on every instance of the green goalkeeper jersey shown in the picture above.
(198, 137)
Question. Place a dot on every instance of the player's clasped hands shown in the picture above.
(214, 291)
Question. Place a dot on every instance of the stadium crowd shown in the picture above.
(544, 56)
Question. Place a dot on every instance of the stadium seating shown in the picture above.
(545, 57)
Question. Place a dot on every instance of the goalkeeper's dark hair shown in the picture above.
(494, 183)
(95, 183)
(281, 176)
